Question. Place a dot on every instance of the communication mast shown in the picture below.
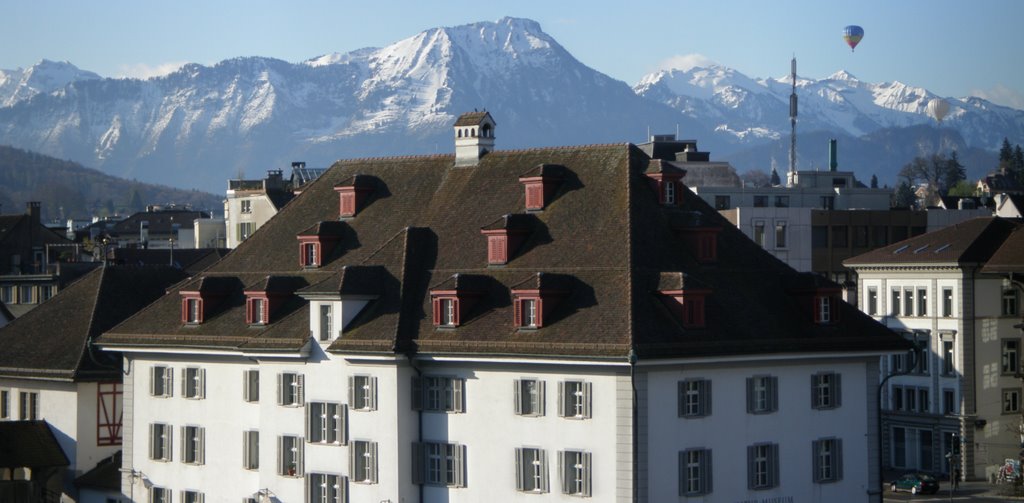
(791, 176)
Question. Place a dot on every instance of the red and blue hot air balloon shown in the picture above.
(852, 35)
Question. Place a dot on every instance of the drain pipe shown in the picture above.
(636, 443)
(419, 420)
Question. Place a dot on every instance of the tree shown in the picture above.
(1005, 152)
(874, 181)
(775, 181)
(963, 188)
(953, 172)
(904, 196)
(755, 178)
(1018, 163)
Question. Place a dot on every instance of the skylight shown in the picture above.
(941, 248)
(900, 249)
(921, 249)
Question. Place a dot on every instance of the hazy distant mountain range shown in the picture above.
(201, 125)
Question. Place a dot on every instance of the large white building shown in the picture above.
(954, 292)
(533, 325)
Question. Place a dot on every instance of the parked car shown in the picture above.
(916, 483)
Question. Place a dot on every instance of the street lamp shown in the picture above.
(133, 476)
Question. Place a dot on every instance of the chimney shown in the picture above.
(833, 163)
(32, 210)
(474, 137)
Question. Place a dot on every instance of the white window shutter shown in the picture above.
(460, 465)
(371, 395)
(245, 449)
(168, 381)
(280, 389)
(280, 455)
(353, 461)
(586, 474)
(300, 458)
(520, 467)
(544, 469)
(352, 392)
(561, 399)
(373, 462)
(184, 382)
(541, 397)
(518, 406)
(202, 446)
(184, 442)
(152, 441)
(588, 394)
(458, 395)
(300, 381)
(202, 383)
(563, 467)
(342, 424)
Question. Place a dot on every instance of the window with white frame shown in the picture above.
(574, 399)
(780, 234)
(1011, 400)
(824, 308)
(192, 497)
(694, 398)
(575, 468)
(531, 470)
(362, 392)
(160, 442)
(695, 472)
(439, 464)
(947, 302)
(872, 300)
(762, 466)
(447, 312)
(759, 232)
(529, 310)
(438, 394)
(251, 449)
(193, 311)
(244, 229)
(762, 394)
(28, 406)
(259, 311)
(193, 383)
(670, 192)
(825, 388)
(948, 365)
(529, 397)
(159, 495)
(251, 385)
(894, 304)
(363, 462)
(1010, 356)
(828, 460)
(5, 404)
(246, 205)
(193, 440)
(1010, 302)
(325, 488)
(161, 381)
(289, 389)
(289, 456)
(326, 324)
(922, 301)
(325, 423)
(908, 301)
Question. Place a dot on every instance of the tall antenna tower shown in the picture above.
(791, 176)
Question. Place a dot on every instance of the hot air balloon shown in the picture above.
(852, 35)
(938, 108)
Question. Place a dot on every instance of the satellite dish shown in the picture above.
(938, 108)
(852, 35)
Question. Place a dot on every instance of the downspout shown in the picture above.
(636, 443)
(419, 418)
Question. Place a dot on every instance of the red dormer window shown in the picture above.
(191, 309)
(534, 299)
(504, 237)
(666, 180)
(446, 310)
(703, 243)
(309, 254)
(826, 307)
(256, 310)
(529, 312)
(540, 184)
(687, 305)
(352, 194)
(452, 300)
(318, 242)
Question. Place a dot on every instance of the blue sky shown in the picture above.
(952, 48)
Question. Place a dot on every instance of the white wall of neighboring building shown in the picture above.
(797, 249)
(261, 209)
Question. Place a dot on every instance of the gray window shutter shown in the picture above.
(373, 461)
(312, 413)
(371, 394)
(707, 470)
(544, 469)
(280, 455)
(460, 465)
(168, 381)
(681, 410)
(152, 441)
(152, 382)
(352, 392)
(184, 382)
(245, 449)
(299, 389)
(814, 391)
(561, 399)
(280, 389)
(751, 452)
(588, 397)
(520, 467)
(202, 383)
(773, 383)
(541, 400)
(184, 442)
(586, 473)
(774, 467)
(816, 460)
(750, 395)
(563, 469)
(837, 390)
(343, 424)
(417, 393)
(168, 442)
(299, 466)
(353, 461)
(417, 463)
(518, 405)
(458, 395)
(310, 486)
(682, 467)
(202, 446)
(705, 393)
(838, 462)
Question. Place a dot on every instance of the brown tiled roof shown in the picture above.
(659, 166)
(1008, 258)
(51, 341)
(675, 280)
(29, 444)
(544, 170)
(604, 235)
(969, 242)
(191, 260)
(327, 228)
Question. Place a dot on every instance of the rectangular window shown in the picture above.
(762, 394)
(159, 495)
(780, 234)
(1011, 356)
(448, 312)
(362, 392)
(819, 237)
(825, 390)
(289, 456)
(694, 398)
(922, 302)
(438, 394)
(908, 301)
(309, 255)
(289, 389)
(28, 406)
(760, 201)
(1011, 400)
(439, 464)
(898, 363)
(246, 205)
(363, 462)
(947, 302)
(840, 236)
(948, 365)
(193, 383)
(7, 294)
(259, 311)
(192, 497)
(574, 399)
(244, 230)
(45, 292)
(695, 472)
(251, 385)
(325, 423)
(1010, 302)
(897, 399)
(5, 404)
(923, 353)
(192, 445)
(924, 402)
(25, 295)
(529, 397)
(531, 470)
(762, 466)
(251, 450)
(949, 405)
(899, 447)
(529, 310)
(894, 305)
(326, 327)
(824, 309)
(161, 381)
(160, 442)
(759, 233)
(721, 202)
(872, 300)
(192, 310)
(325, 488)
(828, 202)
(575, 467)
(860, 236)
(910, 398)
(782, 201)
(828, 460)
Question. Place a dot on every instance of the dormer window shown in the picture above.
(452, 300)
(701, 239)
(256, 311)
(534, 299)
(685, 298)
(446, 311)
(665, 178)
(529, 310)
(504, 237)
(353, 194)
(826, 308)
(541, 183)
(317, 242)
(192, 310)
(310, 255)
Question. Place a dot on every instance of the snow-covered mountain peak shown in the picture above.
(843, 75)
(700, 81)
(43, 77)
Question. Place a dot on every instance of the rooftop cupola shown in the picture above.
(474, 137)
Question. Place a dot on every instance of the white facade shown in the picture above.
(783, 232)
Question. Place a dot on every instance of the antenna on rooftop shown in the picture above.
(791, 176)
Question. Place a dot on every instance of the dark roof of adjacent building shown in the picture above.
(999, 182)
(106, 475)
(969, 242)
(190, 260)
(29, 444)
(52, 340)
(603, 234)
(1008, 258)
(160, 221)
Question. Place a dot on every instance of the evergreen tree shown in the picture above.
(904, 196)
(775, 181)
(953, 172)
(1005, 157)
(874, 182)
(1018, 163)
